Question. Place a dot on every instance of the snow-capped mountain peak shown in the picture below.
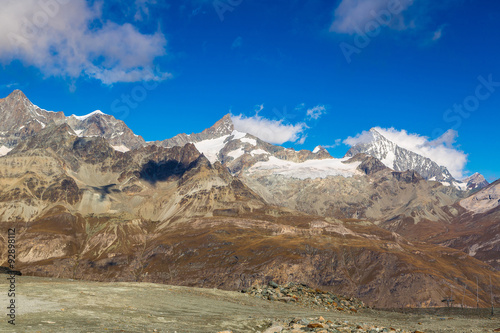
(476, 181)
(400, 159)
(319, 149)
(85, 117)
(20, 119)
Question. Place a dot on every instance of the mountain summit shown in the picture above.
(21, 119)
(401, 159)
(476, 182)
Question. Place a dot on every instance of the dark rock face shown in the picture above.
(8, 271)
(369, 164)
(407, 176)
(64, 190)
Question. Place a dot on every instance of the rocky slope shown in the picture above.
(87, 176)
(224, 210)
(84, 210)
(476, 230)
(471, 225)
(82, 306)
(350, 258)
(370, 191)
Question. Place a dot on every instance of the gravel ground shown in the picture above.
(58, 305)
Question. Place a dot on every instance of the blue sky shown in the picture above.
(314, 72)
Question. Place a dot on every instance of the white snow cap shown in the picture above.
(88, 115)
(317, 149)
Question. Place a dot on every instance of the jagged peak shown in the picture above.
(18, 94)
(476, 181)
(377, 136)
(317, 149)
(476, 175)
(222, 127)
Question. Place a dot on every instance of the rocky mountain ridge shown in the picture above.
(21, 119)
(227, 211)
(401, 159)
(476, 182)
(220, 142)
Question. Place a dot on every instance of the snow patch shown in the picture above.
(460, 186)
(121, 148)
(81, 118)
(317, 149)
(211, 148)
(258, 152)
(253, 142)
(116, 134)
(236, 153)
(43, 125)
(238, 135)
(309, 169)
(4, 150)
(389, 159)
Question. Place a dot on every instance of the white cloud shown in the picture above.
(336, 144)
(300, 107)
(437, 34)
(447, 139)
(9, 85)
(302, 140)
(142, 9)
(259, 108)
(362, 138)
(69, 39)
(316, 112)
(272, 131)
(440, 150)
(353, 16)
(238, 42)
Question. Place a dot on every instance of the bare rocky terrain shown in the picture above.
(222, 209)
(61, 305)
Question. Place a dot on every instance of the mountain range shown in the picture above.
(222, 208)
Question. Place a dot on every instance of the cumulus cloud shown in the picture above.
(441, 150)
(272, 131)
(352, 16)
(316, 112)
(361, 138)
(68, 39)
